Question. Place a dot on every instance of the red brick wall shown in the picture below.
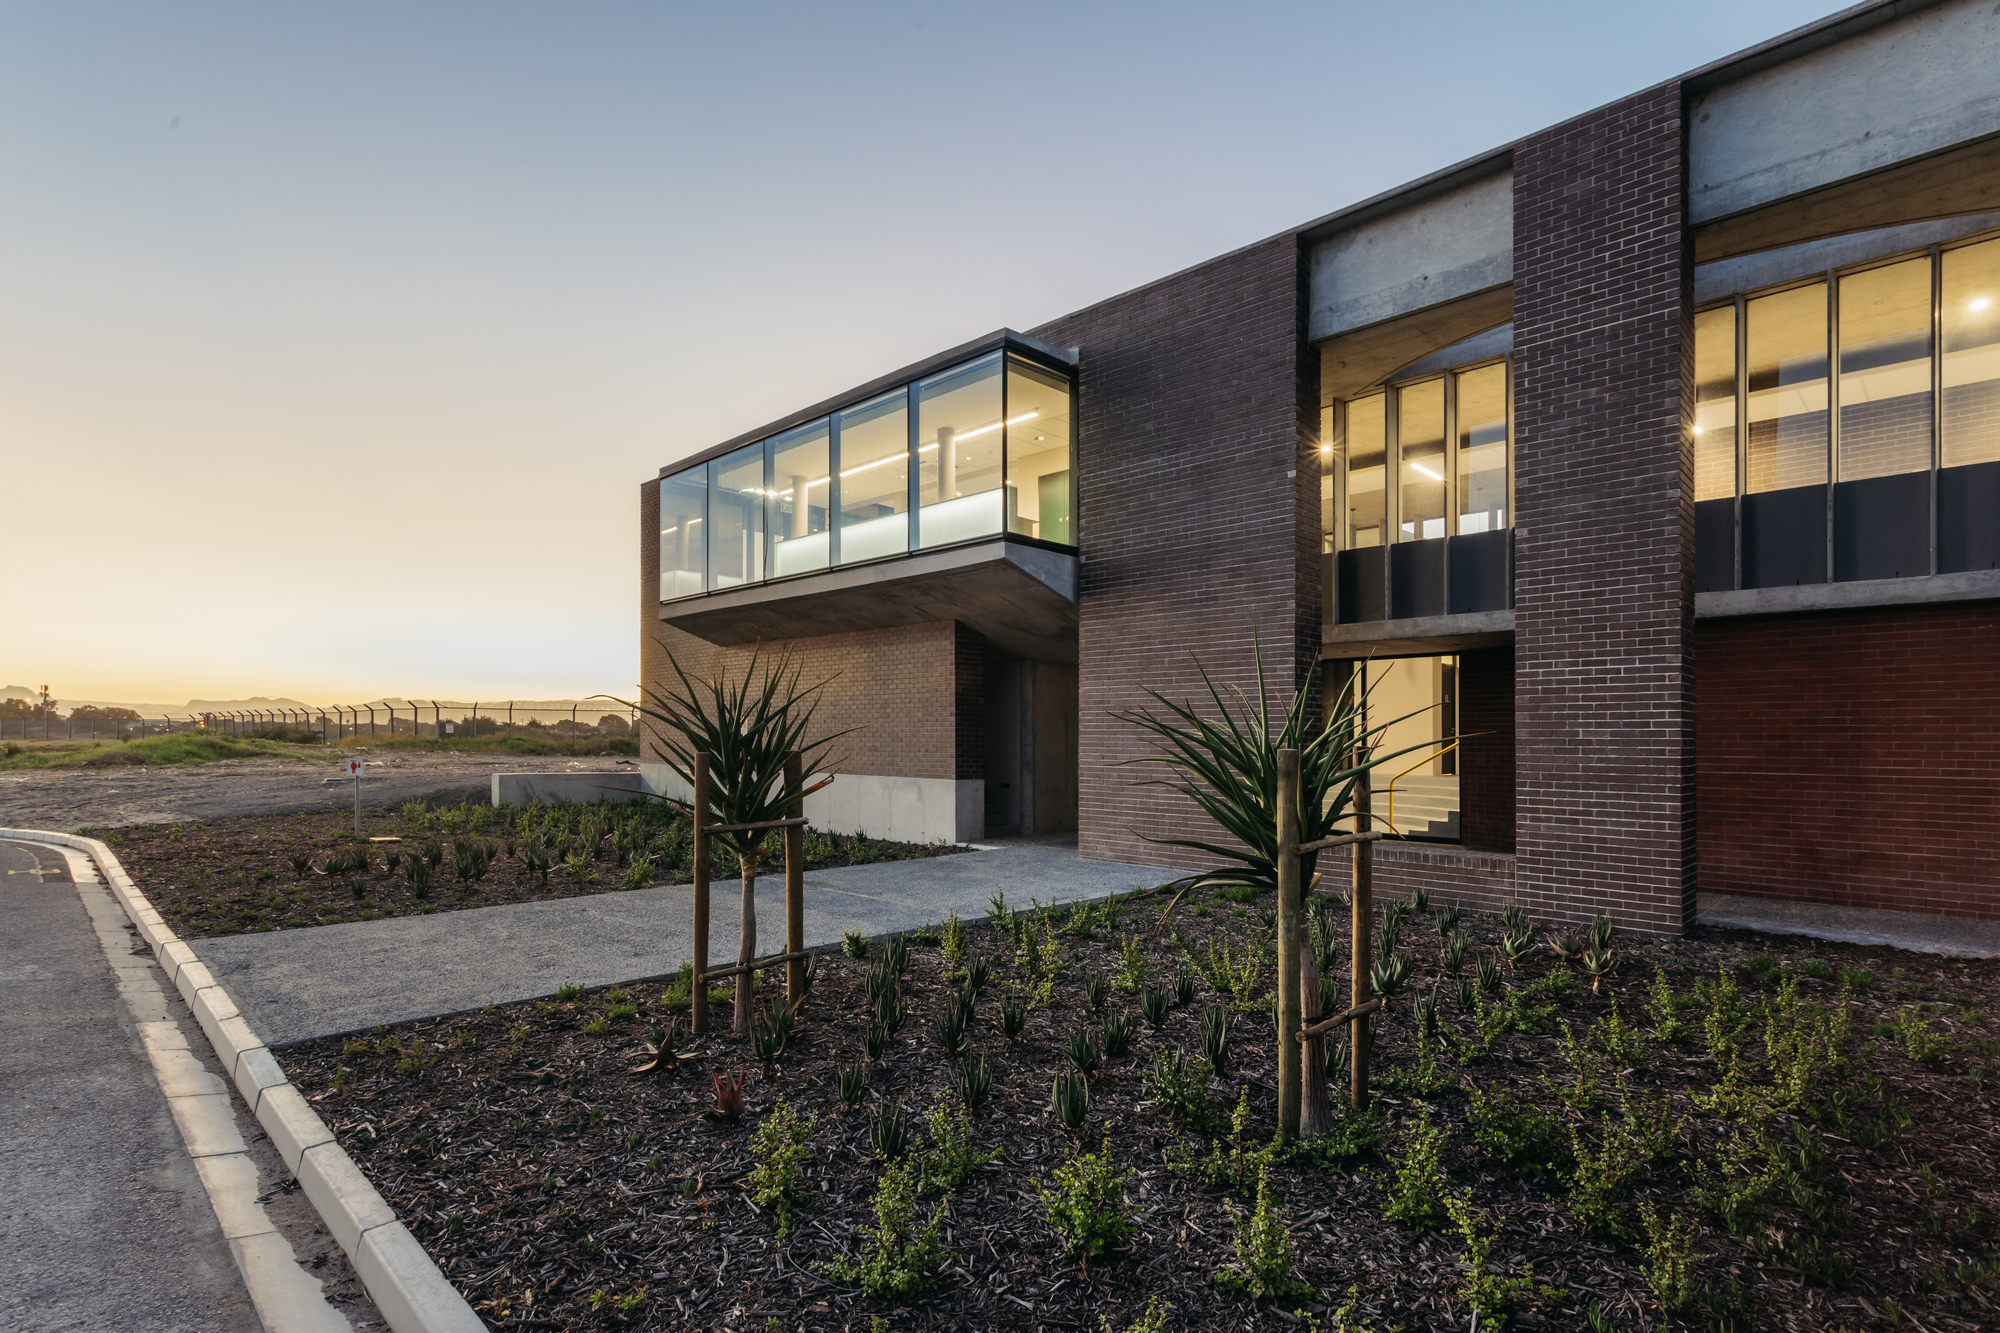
(1198, 515)
(1853, 758)
(1604, 563)
(907, 690)
(1486, 750)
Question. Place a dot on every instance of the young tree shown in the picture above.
(746, 728)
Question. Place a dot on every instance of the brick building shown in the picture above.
(1653, 460)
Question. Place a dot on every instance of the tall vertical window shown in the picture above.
(801, 492)
(874, 450)
(1715, 404)
(1039, 499)
(1421, 479)
(1885, 370)
(1367, 441)
(1787, 389)
(1482, 449)
(683, 548)
(1332, 453)
(1970, 295)
(736, 505)
(959, 452)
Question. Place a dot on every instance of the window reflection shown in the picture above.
(959, 451)
(1715, 404)
(1367, 437)
(875, 478)
(1787, 389)
(1039, 500)
(683, 516)
(1971, 282)
(1482, 449)
(736, 506)
(801, 489)
(1420, 437)
(1885, 370)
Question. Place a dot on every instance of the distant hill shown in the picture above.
(239, 705)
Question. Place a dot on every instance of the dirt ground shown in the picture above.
(559, 1190)
(68, 799)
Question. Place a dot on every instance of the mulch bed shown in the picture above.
(234, 876)
(541, 1174)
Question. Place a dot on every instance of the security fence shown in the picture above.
(601, 716)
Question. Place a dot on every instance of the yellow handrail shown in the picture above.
(1406, 772)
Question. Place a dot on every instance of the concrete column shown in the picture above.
(947, 463)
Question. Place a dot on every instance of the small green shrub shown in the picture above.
(1490, 1295)
(1416, 1199)
(1670, 1255)
(951, 1156)
(1521, 1135)
(780, 1147)
(900, 1258)
(1263, 1246)
(1087, 1208)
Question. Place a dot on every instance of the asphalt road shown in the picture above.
(104, 1222)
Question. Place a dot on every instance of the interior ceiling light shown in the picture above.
(1980, 303)
(1427, 472)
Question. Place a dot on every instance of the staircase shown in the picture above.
(1425, 807)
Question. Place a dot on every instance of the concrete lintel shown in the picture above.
(1020, 596)
(1362, 359)
(1443, 248)
(1422, 636)
(1979, 585)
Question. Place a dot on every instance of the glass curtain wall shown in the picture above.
(1482, 449)
(801, 498)
(683, 548)
(874, 448)
(993, 451)
(1041, 501)
(1885, 371)
(1970, 298)
(960, 453)
(1715, 404)
(736, 507)
(1787, 390)
(1421, 475)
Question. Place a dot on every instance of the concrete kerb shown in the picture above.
(400, 1277)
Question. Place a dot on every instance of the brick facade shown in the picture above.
(1198, 516)
(1604, 581)
(1853, 758)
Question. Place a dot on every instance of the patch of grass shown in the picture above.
(516, 744)
(180, 748)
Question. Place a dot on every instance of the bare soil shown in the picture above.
(231, 876)
(551, 1184)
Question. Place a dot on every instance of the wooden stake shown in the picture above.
(698, 1021)
(795, 883)
(1288, 945)
(1363, 926)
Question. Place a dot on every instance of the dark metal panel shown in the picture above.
(1364, 585)
(1968, 518)
(1715, 545)
(1882, 527)
(1416, 579)
(1479, 571)
(1784, 537)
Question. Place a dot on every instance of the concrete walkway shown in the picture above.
(299, 984)
(105, 1221)
(1954, 937)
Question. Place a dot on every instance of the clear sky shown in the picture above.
(335, 340)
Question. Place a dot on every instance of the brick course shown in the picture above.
(1486, 750)
(1604, 582)
(1198, 516)
(1853, 758)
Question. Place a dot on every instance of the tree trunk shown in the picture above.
(1316, 1115)
(747, 950)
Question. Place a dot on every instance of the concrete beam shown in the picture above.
(1978, 585)
(1747, 273)
(1449, 246)
(1021, 598)
(1423, 636)
(1915, 86)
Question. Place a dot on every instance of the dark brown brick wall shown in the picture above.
(1477, 881)
(1486, 750)
(1603, 592)
(1853, 758)
(1198, 515)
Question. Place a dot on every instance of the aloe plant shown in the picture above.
(747, 727)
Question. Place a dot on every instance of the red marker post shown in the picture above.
(354, 767)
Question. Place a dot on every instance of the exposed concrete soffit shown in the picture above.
(1956, 182)
(1359, 361)
(1451, 245)
(1426, 636)
(1765, 268)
